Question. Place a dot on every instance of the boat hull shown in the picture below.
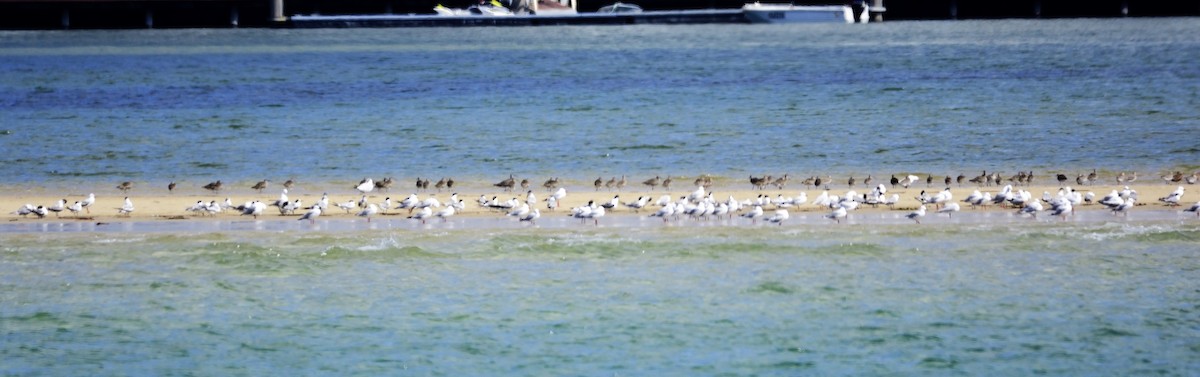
(783, 14)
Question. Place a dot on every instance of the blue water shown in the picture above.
(81, 109)
(336, 105)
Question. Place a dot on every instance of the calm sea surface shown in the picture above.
(82, 109)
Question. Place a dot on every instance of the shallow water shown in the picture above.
(1105, 298)
(988, 295)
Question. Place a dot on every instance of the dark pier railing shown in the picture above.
(88, 14)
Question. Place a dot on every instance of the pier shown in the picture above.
(128, 14)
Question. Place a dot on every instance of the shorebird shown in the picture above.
(532, 216)
(780, 216)
(125, 187)
(87, 203)
(445, 213)
(423, 214)
(837, 215)
(58, 207)
(213, 186)
(254, 208)
(371, 210)
(1173, 198)
(507, 184)
(754, 214)
(1123, 209)
(261, 185)
(665, 212)
(25, 210)
(551, 183)
(348, 205)
(365, 186)
(313, 213)
(289, 183)
(652, 182)
(666, 183)
(171, 187)
(949, 209)
(917, 215)
(1195, 208)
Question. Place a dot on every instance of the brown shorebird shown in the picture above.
(289, 183)
(449, 183)
(213, 186)
(599, 182)
(551, 183)
(125, 186)
(652, 182)
(621, 183)
(441, 184)
(525, 184)
(171, 187)
(261, 185)
(507, 184)
(850, 182)
(612, 182)
(666, 183)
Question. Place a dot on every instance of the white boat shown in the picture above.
(492, 9)
(619, 7)
(787, 13)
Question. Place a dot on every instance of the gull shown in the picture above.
(313, 213)
(25, 210)
(559, 194)
(1123, 209)
(422, 214)
(754, 214)
(213, 208)
(530, 198)
(551, 203)
(1195, 208)
(1111, 200)
(695, 196)
(519, 211)
(411, 202)
(348, 205)
(596, 214)
(283, 199)
(446, 212)
(87, 203)
(365, 186)
(58, 207)
(1061, 208)
(891, 201)
(665, 212)
(290, 207)
(663, 200)
(917, 215)
(532, 216)
(75, 208)
(371, 210)
(1089, 197)
(779, 217)
(430, 202)
(127, 208)
(838, 214)
(1173, 198)
(254, 208)
(612, 203)
(639, 204)
(949, 209)
(720, 210)
(973, 198)
(1031, 207)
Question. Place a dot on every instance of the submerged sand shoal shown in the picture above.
(160, 205)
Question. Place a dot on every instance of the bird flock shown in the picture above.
(698, 205)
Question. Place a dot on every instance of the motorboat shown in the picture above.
(619, 7)
(788, 13)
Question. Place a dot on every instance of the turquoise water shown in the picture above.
(478, 104)
(970, 296)
(1095, 299)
